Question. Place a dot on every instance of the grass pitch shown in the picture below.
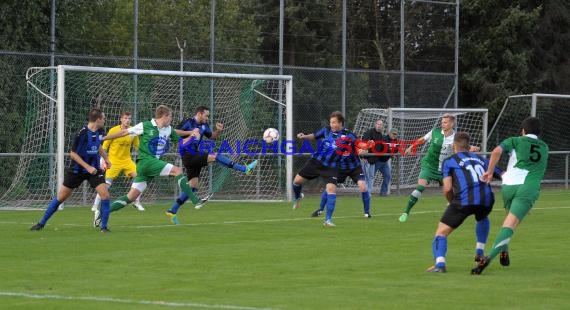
(267, 256)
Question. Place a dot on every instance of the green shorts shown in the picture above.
(148, 169)
(431, 174)
(519, 199)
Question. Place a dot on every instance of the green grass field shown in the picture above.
(267, 256)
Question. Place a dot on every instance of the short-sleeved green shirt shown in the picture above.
(154, 142)
(528, 157)
(440, 148)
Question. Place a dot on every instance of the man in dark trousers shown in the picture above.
(379, 163)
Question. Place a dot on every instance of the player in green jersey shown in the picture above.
(154, 141)
(440, 148)
(528, 157)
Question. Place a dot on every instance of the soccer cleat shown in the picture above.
(367, 215)
(478, 257)
(328, 223)
(297, 202)
(504, 258)
(436, 269)
(481, 265)
(202, 201)
(105, 230)
(403, 218)
(38, 226)
(137, 204)
(173, 217)
(249, 168)
(97, 219)
(317, 213)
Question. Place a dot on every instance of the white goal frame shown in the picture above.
(537, 105)
(390, 117)
(534, 99)
(60, 106)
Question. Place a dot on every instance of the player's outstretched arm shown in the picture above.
(495, 156)
(306, 137)
(412, 148)
(136, 130)
(193, 135)
(119, 134)
(187, 134)
(183, 133)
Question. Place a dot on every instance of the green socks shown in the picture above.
(120, 203)
(501, 242)
(414, 197)
(183, 184)
(182, 181)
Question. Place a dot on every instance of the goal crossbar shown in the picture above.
(62, 69)
(59, 98)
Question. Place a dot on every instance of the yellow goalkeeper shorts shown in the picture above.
(129, 169)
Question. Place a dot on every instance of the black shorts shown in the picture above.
(314, 169)
(73, 180)
(356, 175)
(193, 164)
(454, 215)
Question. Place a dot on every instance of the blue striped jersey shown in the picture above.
(465, 170)
(188, 125)
(349, 160)
(86, 144)
(332, 146)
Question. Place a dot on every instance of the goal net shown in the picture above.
(59, 99)
(553, 110)
(412, 124)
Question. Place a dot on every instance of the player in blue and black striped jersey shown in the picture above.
(334, 141)
(467, 195)
(195, 156)
(85, 154)
(350, 166)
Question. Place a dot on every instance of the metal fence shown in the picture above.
(409, 78)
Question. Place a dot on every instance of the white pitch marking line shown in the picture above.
(495, 209)
(129, 301)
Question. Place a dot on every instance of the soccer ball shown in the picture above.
(270, 135)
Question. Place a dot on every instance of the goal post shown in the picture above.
(553, 110)
(413, 123)
(246, 104)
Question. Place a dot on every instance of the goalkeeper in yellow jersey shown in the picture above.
(119, 151)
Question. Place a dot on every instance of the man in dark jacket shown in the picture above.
(380, 144)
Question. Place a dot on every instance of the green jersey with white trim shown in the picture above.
(528, 156)
(154, 141)
(440, 148)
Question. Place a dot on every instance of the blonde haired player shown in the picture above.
(440, 148)
(119, 151)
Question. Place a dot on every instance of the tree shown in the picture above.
(24, 25)
(311, 36)
(550, 65)
(495, 54)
